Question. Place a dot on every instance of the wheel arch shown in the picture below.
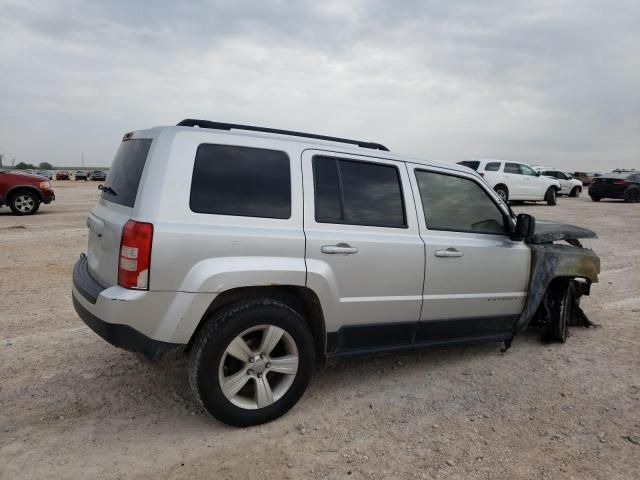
(301, 299)
(19, 188)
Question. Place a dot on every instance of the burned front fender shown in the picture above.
(550, 261)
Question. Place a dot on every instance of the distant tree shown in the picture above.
(45, 166)
(24, 166)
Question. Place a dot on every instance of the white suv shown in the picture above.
(515, 180)
(260, 253)
(568, 185)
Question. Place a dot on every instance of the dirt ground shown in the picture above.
(73, 406)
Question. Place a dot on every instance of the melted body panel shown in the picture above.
(550, 261)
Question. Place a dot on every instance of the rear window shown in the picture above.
(122, 182)
(470, 163)
(241, 181)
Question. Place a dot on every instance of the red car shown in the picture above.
(63, 175)
(24, 192)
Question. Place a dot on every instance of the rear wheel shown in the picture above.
(502, 192)
(251, 362)
(575, 192)
(24, 203)
(632, 195)
(550, 196)
(595, 198)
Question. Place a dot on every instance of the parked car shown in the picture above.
(515, 180)
(81, 175)
(62, 175)
(98, 175)
(586, 177)
(46, 174)
(261, 255)
(568, 185)
(24, 193)
(624, 185)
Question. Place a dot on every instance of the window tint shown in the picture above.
(359, 193)
(525, 170)
(457, 204)
(562, 176)
(122, 183)
(470, 163)
(550, 173)
(511, 168)
(492, 167)
(243, 181)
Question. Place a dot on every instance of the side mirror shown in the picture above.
(538, 174)
(525, 227)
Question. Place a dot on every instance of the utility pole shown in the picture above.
(82, 159)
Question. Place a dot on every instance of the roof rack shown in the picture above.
(190, 122)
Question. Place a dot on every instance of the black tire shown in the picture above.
(561, 300)
(632, 195)
(550, 196)
(595, 198)
(209, 350)
(575, 192)
(503, 192)
(24, 202)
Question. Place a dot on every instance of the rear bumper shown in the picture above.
(95, 309)
(607, 191)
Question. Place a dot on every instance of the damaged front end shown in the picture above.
(560, 275)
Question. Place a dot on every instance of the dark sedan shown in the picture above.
(98, 175)
(623, 185)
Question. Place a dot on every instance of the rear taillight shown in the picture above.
(620, 182)
(135, 255)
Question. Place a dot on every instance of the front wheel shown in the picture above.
(550, 197)
(562, 302)
(251, 362)
(24, 203)
(595, 198)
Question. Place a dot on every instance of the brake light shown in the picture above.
(620, 182)
(135, 255)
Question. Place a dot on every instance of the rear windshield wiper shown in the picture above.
(108, 190)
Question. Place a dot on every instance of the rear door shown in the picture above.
(476, 276)
(515, 181)
(363, 249)
(114, 209)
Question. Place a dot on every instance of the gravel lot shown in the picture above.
(75, 407)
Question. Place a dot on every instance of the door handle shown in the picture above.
(448, 253)
(341, 248)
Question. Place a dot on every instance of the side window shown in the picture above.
(511, 168)
(242, 181)
(525, 170)
(492, 167)
(550, 173)
(561, 176)
(457, 204)
(358, 193)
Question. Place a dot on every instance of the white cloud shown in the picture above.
(552, 82)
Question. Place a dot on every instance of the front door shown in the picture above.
(476, 277)
(364, 254)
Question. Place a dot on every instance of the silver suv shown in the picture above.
(261, 253)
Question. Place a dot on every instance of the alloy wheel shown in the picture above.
(258, 367)
(24, 203)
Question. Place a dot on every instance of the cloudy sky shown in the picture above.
(555, 82)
